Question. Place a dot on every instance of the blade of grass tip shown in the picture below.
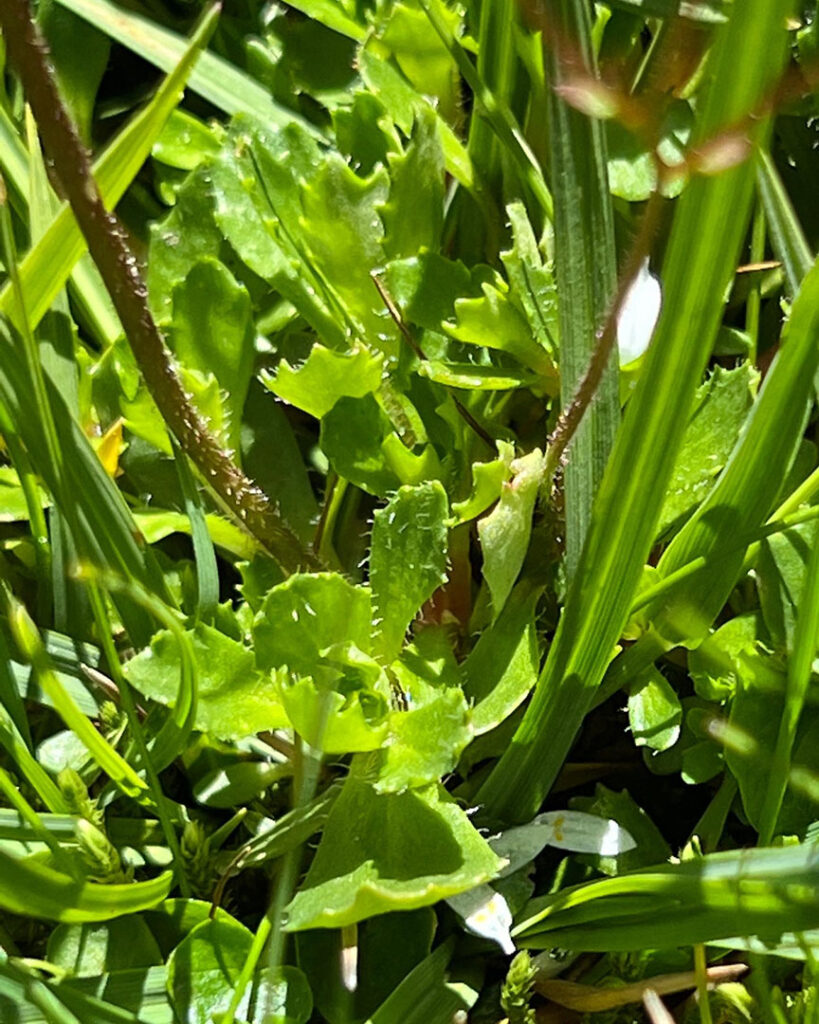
(105, 628)
(585, 264)
(497, 114)
(800, 664)
(708, 228)
(215, 79)
(207, 571)
(787, 237)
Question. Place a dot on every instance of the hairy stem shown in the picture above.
(110, 250)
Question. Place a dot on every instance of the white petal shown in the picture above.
(586, 833)
(638, 315)
(485, 913)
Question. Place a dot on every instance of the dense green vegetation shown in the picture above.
(376, 603)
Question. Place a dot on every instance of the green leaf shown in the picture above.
(345, 256)
(504, 533)
(426, 287)
(503, 665)
(307, 614)
(531, 281)
(84, 950)
(187, 235)
(204, 968)
(472, 377)
(325, 377)
(352, 435)
(429, 733)
(343, 709)
(212, 332)
(185, 142)
(720, 407)
(488, 479)
(256, 182)
(429, 994)
(401, 102)
(33, 889)
(389, 852)
(80, 54)
(408, 560)
(414, 213)
(731, 653)
(654, 711)
(494, 322)
(421, 55)
(633, 168)
(234, 699)
(781, 570)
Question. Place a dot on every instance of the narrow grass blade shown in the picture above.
(709, 898)
(708, 227)
(30, 888)
(218, 81)
(788, 238)
(585, 265)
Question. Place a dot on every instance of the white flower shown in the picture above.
(638, 315)
(485, 913)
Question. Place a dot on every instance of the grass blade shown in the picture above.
(788, 239)
(585, 265)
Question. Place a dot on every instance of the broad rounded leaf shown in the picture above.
(234, 700)
(305, 615)
(391, 852)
